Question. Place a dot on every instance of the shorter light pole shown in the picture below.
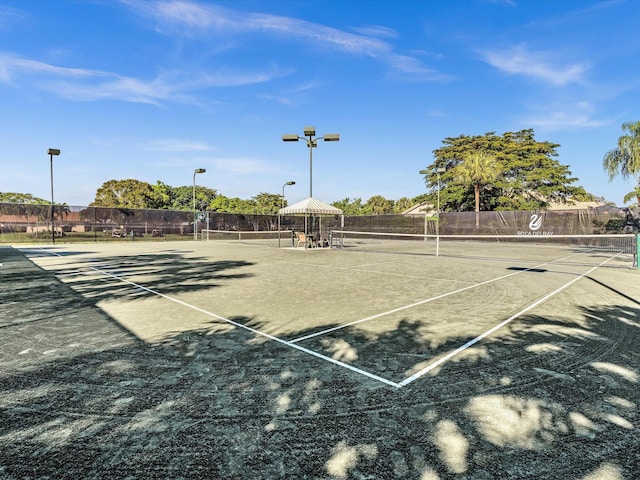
(282, 206)
(195, 225)
(52, 152)
(438, 171)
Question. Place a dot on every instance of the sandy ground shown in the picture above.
(159, 378)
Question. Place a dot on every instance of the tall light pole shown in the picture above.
(311, 143)
(438, 171)
(282, 206)
(52, 152)
(195, 225)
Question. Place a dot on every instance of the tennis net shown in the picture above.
(613, 250)
(257, 237)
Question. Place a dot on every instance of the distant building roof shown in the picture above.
(574, 205)
(420, 209)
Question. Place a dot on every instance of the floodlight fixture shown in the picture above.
(311, 143)
(285, 185)
(290, 182)
(53, 151)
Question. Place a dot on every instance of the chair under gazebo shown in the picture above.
(310, 206)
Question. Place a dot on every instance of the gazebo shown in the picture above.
(310, 206)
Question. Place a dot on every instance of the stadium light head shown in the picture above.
(312, 142)
(200, 170)
(53, 151)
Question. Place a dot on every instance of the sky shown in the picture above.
(153, 90)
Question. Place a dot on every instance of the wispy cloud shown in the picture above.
(9, 17)
(520, 61)
(281, 99)
(564, 117)
(563, 121)
(84, 84)
(190, 18)
(506, 3)
(415, 69)
(377, 31)
(12, 65)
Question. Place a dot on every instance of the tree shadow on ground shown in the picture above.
(160, 271)
(83, 398)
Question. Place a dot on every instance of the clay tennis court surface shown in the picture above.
(226, 360)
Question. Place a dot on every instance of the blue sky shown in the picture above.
(154, 89)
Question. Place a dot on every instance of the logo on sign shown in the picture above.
(535, 223)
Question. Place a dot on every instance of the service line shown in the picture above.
(422, 302)
(240, 325)
(462, 348)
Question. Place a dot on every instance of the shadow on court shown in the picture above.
(81, 397)
(162, 270)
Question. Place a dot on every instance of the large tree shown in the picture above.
(230, 205)
(129, 193)
(625, 159)
(267, 203)
(378, 205)
(12, 197)
(182, 197)
(350, 206)
(531, 177)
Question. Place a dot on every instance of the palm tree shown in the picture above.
(624, 160)
(403, 204)
(633, 195)
(379, 205)
(478, 169)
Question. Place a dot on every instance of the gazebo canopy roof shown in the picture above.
(310, 205)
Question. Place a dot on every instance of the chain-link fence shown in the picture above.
(28, 223)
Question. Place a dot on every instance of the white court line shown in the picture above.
(237, 324)
(407, 380)
(462, 348)
(422, 302)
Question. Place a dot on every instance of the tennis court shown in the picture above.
(235, 359)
